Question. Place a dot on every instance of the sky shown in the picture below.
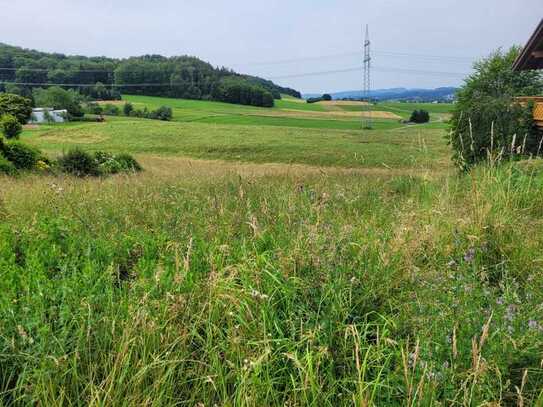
(314, 46)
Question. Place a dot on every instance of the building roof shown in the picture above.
(47, 109)
(531, 56)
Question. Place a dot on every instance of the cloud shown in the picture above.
(241, 33)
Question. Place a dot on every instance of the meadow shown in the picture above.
(254, 264)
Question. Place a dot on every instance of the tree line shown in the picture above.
(151, 75)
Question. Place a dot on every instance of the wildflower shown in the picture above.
(258, 295)
(500, 301)
(451, 264)
(42, 165)
(470, 255)
(510, 312)
(532, 324)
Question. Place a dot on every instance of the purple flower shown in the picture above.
(470, 255)
(510, 312)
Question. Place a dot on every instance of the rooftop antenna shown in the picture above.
(366, 119)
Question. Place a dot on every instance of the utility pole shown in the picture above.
(366, 120)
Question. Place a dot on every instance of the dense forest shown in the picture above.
(21, 70)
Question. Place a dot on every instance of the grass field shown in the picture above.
(416, 147)
(284, 113)
(254, 264)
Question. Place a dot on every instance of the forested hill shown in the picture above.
(153, 75)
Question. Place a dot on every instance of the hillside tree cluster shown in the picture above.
(101, 78)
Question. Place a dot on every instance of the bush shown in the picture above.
(17, 106)
(10, 126)
(326, 97)
(113, 164)
(111, 110)
(162, 113)
(128, 108)
(6, 167)
(420, 116)
(23, 157)
(128, 163)
(487, 120)
(95, 108)
(107, 163)
(79, 163)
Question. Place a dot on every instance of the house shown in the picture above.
(531, 58)
(48, 115)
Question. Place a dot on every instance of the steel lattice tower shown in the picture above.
(367, 81)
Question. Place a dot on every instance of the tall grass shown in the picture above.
(284, 289)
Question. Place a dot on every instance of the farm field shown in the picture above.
(271, 261)
(292, 112)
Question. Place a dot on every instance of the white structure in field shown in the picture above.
(48, 115)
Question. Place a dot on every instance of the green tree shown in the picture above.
(420, 116)
(59, 98)
(487, 118)
(10, 126)
(17, 106)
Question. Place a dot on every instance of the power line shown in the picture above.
(84, 85)
(300, 75)
(277, 62)
(448, 58)
(379, 69)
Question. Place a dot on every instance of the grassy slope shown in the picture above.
(270, 284)
(400, 148)
(224, 113)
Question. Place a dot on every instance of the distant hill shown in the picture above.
(420, 95)
(151, 75)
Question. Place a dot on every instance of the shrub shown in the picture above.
(111, 110)
(23, 157)
(486, 118)
(17, 106)
(162, 113)
(420, 116)
(113, 164)
(326, 97)
(10, 126)
(128, 108)
(128, 163)
(79, 163)
(107, 163)
(6, 167)
(95, 108)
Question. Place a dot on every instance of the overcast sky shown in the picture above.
(424, 43)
